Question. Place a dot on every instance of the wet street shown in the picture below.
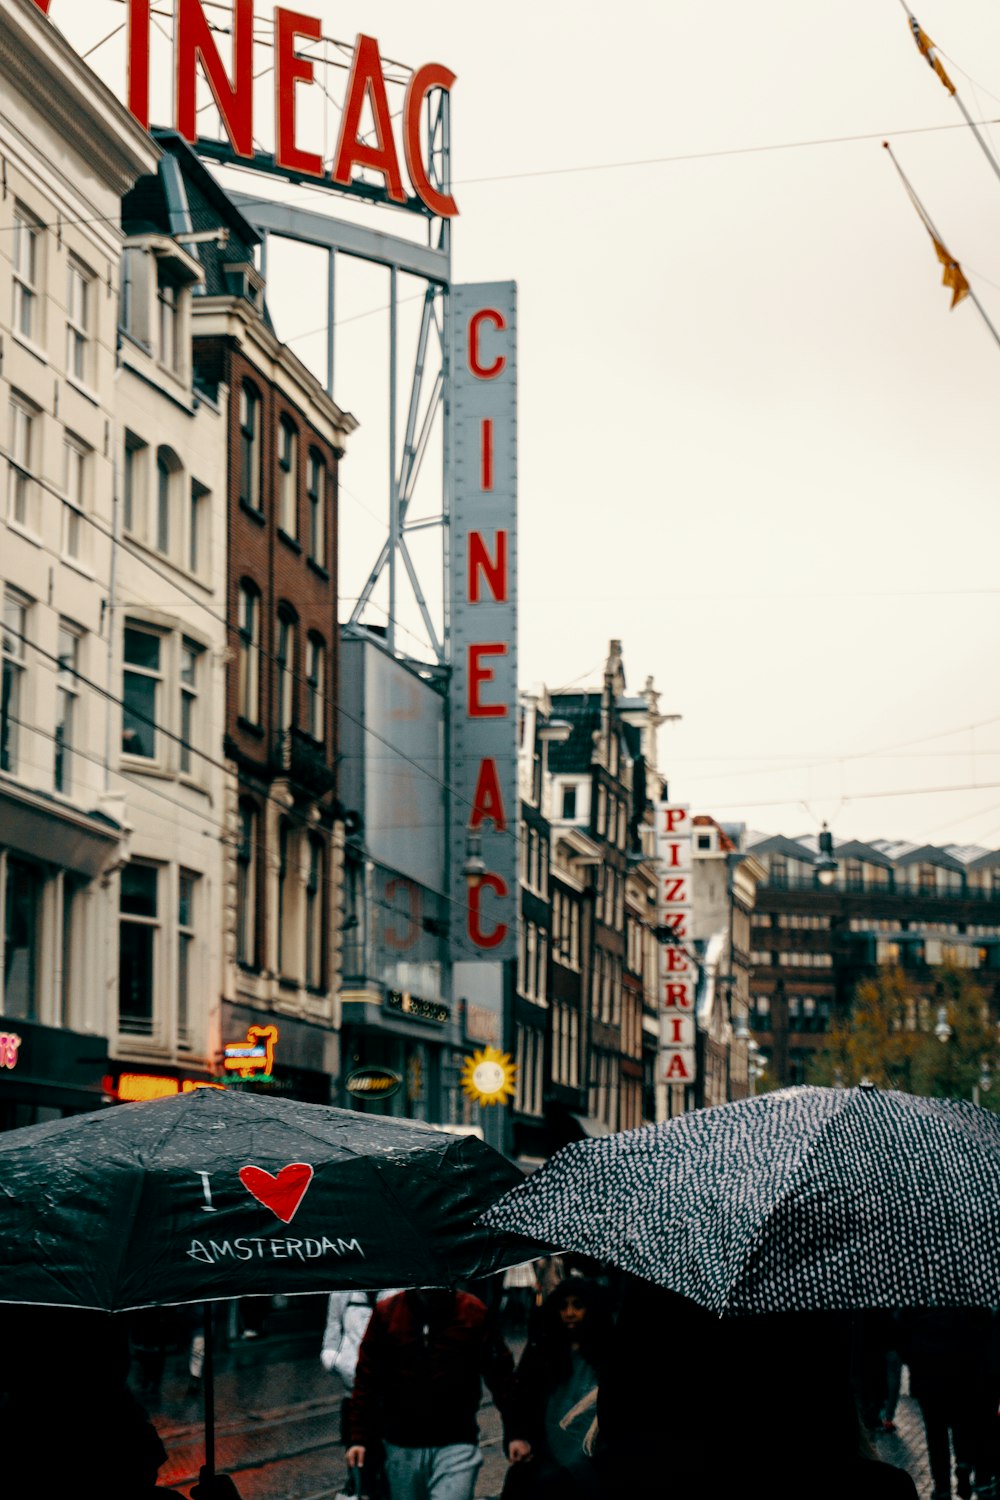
(278, 1421)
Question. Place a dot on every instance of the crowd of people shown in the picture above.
(625, 1389)
(620, 1388)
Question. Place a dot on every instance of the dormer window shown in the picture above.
(168, 303)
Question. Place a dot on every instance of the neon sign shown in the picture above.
(253, 1057)
(10, 1043)
(195, 53)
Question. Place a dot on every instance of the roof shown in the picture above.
(582, 711)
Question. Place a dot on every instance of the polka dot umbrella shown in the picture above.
(803, 1199)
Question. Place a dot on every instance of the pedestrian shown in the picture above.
(556, 1390)
(667, 1355)
(953, 1356)
(65, 1373)
(347, 1317)
(417, 1389)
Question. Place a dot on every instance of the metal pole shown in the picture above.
(393, 480)
(209, 1376)
(330, 304)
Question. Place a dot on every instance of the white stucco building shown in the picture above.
(68, 151)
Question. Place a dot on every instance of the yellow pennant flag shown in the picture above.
(928, 50)
(953, 274)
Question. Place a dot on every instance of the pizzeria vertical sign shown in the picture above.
(483, 608)
(678, 970)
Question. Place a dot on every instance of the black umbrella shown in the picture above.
(805, 1199)
(216, 1194)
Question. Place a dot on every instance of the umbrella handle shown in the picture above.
(208, 1472)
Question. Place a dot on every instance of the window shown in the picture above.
(704, 841)
(67, 689)
(569, 802)
(75, 489)
(168, 305)
(285, 663)
(78, 314)
(21, 494)
(246, 885)
(316, 686)
(167, 478)
(135, 300)
(186, 887)
(250, 447)
(133, 489)
(25, 268)
(190, 682)
(314, 914)
(288, 478)
(316, 495)
(23, 889)
(15, 629)
(141, 693)
(249, 654)
(286, 869)
(196, 526)
(137, 948)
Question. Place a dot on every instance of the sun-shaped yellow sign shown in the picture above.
(488, 1076)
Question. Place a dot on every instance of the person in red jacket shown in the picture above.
(417, 1389)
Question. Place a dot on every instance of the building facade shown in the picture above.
(888, 904)
(69, 152)
(171, 650)
(283, 831)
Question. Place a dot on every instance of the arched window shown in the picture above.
(248, 694)
(168, 469)
(314, 913)
(285, 663)
(316, 686)
(246, 885)
(316, 496)
(286, 898)
(288, 466)
(250, 447)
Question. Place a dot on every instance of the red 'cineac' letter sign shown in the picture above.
(482, 939)
(430, 76)
(366, 81)
(289, 70)
(235, 100)
(487, 804)
(496, 320)
(478, 674)
(43, 6)
(494, 570)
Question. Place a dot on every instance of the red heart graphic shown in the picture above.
(281, 1194)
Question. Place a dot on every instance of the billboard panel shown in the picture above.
(483, 609)
(678, 970)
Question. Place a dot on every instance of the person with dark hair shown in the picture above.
(70, 1366)
(953, 1356)
(556, 1392)
(796, 1364)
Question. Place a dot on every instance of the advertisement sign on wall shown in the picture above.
(484, 809)
(678, 975)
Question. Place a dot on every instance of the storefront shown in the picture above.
(47, 1072)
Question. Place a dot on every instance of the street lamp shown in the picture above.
(942, 1030)
(474, 867)
(826, 865)
(984, 1082)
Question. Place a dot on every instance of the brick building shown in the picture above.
(284, 439)
(888, 904)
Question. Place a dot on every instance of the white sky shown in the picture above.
(755, 444)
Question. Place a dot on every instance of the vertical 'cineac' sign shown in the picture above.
(484, 621)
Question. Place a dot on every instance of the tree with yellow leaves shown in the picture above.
(943, 1044)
